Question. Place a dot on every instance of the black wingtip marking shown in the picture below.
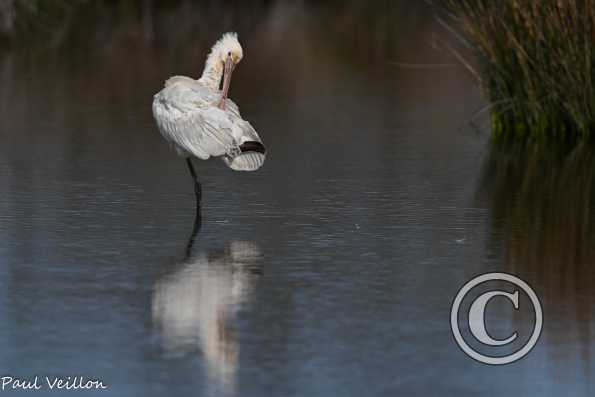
(252, 146)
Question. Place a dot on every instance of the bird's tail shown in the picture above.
(250, 157)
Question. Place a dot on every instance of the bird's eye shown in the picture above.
(229, 53)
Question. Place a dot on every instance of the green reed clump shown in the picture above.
(535, 63)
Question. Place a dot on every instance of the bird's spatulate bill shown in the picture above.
(228, 70)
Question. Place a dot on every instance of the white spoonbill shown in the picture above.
(198, 120)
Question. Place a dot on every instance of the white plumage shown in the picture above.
(195, 306)
(198, 119)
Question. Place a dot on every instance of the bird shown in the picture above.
(197, 119)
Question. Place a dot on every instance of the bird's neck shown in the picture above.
(213, 71)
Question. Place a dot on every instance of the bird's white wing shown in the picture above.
(251, 153)
(187, 118)
(232, 109)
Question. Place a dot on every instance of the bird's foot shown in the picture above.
(221, 104)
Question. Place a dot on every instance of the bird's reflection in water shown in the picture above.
(194, 307)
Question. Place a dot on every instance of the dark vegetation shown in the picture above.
(535, 61)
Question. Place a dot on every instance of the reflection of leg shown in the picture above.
(195, 230)
(197, 186)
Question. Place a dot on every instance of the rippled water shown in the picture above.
(331, 270)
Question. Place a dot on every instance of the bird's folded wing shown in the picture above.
(187, 121)
(205, 131)
(232, 109)
(251, 153)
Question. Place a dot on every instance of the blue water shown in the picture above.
(331, 270)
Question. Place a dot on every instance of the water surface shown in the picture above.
(331, 270)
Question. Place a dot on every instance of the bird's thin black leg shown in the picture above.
(198, 218)
(197, 186)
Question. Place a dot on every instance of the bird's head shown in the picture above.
(229, 51)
